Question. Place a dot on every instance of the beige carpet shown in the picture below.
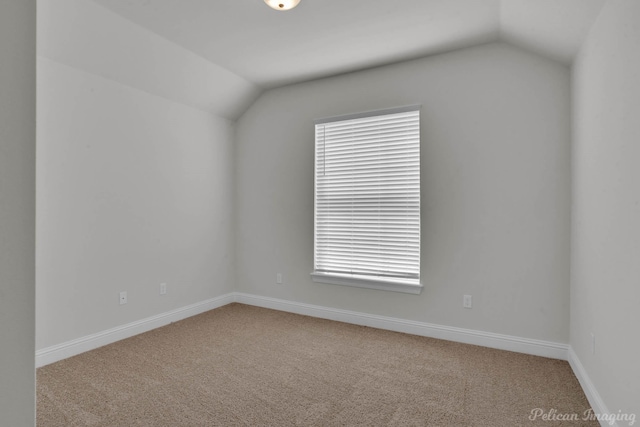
(241, 365)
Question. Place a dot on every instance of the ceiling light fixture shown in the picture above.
(282, 4)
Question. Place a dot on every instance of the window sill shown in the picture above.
(392, 285)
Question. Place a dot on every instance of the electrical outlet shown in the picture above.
(163, 288)
(467, 301)
(123, 297)
(279, 278)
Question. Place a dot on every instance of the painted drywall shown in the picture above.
(133, 190)
(17, 211)
(87, 36)
(495, 190)
(605, 284)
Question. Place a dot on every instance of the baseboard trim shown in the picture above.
(74, 347)
(468, 336)
(596, 402)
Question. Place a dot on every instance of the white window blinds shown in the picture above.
(367, 196)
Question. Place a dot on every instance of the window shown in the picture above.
(367, 200)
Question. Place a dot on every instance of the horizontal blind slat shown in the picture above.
(367, 189)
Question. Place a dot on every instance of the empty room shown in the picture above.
(319, 213)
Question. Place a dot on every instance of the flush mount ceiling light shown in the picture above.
(282, 4)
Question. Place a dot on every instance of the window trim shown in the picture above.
(386, 284)
(395, 110)
(369, 282)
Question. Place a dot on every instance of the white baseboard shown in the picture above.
(468, 336)
(596, 402)
(74, 347)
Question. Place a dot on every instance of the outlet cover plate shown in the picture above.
(467, 301)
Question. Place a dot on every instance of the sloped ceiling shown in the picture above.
(553, 28)
(85, 36)
(320, 38)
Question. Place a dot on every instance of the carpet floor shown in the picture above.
(246, 366)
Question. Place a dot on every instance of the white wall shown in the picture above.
(133, 189)
(495, 190)
(605, 285)
(89, 37)
(17, 211)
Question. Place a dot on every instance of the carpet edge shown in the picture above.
(534, 347)
(596, 402)
(77, 346)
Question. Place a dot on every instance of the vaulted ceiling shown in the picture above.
(321, 38)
